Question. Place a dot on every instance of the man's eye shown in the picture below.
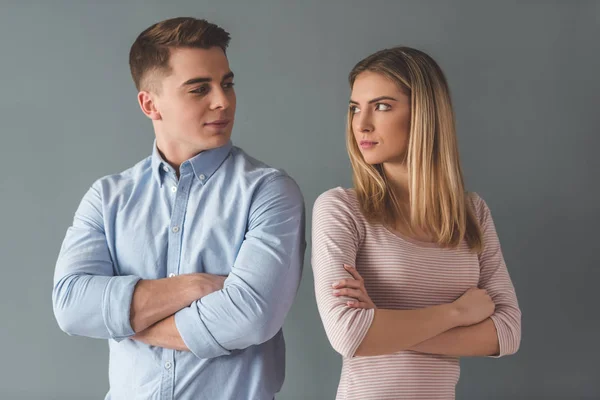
(200, 90)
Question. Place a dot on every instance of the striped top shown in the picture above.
(401, 273)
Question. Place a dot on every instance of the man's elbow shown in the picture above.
(68, 320)
(72, 318)
(63, 306)
(262, 329)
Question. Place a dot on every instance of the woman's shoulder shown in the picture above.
(338, 197)
(338, 209)
(480, 207)
(339, 203)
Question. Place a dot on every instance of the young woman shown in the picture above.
(409, 274)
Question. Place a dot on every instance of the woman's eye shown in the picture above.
(228, 85)
(354, 109)
(382, 107)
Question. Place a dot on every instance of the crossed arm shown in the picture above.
(357, 330)
(155, 302)
(188, 312)
(462, 328)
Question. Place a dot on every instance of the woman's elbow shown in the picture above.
(515, 340)
(344, 344)
(508, 326)
(343, 349)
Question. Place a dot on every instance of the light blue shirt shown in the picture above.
(227, 214)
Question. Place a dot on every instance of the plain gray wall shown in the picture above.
(525, 85)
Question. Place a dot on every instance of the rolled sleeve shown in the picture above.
(117, 306)
(196, 335)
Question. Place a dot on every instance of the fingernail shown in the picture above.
(335, 284)
(347, 266)
(336, 292)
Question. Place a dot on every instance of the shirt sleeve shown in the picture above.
(263, 282)
(87, 298)
(494, 277)
(335, 242)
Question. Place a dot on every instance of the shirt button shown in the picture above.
(171, 275)
(165, 168)
(168, 365)
(202, 177)
(175, 229)
(174, 189)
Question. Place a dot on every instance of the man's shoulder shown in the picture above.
(262, 177)
(125, 179)
(255, 170)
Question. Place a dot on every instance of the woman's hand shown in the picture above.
(474, 306)
(353, 287)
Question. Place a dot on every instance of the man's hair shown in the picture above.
(150, 53)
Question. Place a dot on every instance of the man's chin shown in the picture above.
(215, 141)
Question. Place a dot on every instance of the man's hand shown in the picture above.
(156, 299)
(164, 333)
(209, 283)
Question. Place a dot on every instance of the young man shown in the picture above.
(189, 261)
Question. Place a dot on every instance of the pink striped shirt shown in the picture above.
(401, 273)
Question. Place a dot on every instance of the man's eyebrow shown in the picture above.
(193, 81)
(200, 79)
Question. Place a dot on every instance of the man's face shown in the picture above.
(196, 101)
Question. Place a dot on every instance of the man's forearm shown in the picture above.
(469, 341)
(162, 334)
(156, 299)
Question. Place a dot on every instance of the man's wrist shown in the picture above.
(193, 287)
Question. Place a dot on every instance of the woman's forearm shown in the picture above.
(465, 341)
(396, 330)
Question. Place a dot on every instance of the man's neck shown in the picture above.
(175, 154)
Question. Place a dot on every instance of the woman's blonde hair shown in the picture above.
(438, 202)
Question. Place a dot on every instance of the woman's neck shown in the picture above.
(397, 178)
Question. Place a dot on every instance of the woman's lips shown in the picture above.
(367, 144)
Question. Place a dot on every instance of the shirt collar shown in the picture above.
(203, 165)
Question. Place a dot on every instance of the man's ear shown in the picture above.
(148, 106)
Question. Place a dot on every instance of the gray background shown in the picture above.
(525, 86)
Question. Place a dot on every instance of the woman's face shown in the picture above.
(380, 118)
